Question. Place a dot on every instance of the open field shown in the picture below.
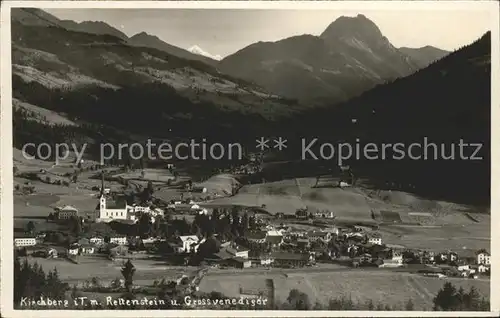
(439, 238)
(222, 184)
(388, 287)
(147, 271)
(155, 175)
(287, 196)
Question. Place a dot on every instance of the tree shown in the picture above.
(116, 284)
(298, 300)
(409, 306)
(75, 225)
(472, 300)
(31, 281)
(30, 227)
(245, 223)
(370, 305)
(128, 271)
(446, 299)
(144, 225)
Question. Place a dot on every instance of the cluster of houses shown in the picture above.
(281, 246)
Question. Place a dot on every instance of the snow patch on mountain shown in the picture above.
(195, 49)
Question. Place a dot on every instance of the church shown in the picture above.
(109, 210)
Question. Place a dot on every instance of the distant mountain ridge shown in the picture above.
(425, 55)
(349, 57)
(448, 101)
(147, 40)
(38, 17)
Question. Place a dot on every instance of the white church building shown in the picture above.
(109, 210)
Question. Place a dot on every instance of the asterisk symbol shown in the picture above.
(262, 143)
(280, 143)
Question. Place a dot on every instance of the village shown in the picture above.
(233, 236)
(179, 237)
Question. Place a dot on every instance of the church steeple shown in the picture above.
(102, 185)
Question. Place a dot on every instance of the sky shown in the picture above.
(225, 31)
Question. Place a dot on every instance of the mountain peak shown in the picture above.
(195, 49)
(142, 34)
(359, 26)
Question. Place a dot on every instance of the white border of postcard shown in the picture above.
(6, 187)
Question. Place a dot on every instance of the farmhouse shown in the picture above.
(120, 240)
(65, 212)
(290, 259)
(185, 244)
(274, 238)
(51, 253)
(237, 251)
(375, 239)
(301, 214)
(240, 262)
(87, 249)
(303, 243)
(24, 241)
(324, 214)
(257, 237)
(483, 257)
(265, 260)
(96, 240)
(73, 249)
(319, 235)
(117, 250)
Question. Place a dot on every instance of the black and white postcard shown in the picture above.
(260, 158)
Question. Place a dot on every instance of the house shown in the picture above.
(241, 262)
(391, 263)
(291, 259)
(51, 253)
(483, 268)
(65, 212)
(96, 240)
(365, 258)
(85, 247)
(238, 251)
(442, 257)
(483, 257)
(258, 237)
(324, 214)
(301, 214)
(73, 249)
(333, 230)
(376, 240)
(117, 250)
(319, 235)
(453, 257)
(303, 243)
(120, 240)
(185, 244)
(266, 260)
(395, 260)
(274, 238)
(24, 241)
